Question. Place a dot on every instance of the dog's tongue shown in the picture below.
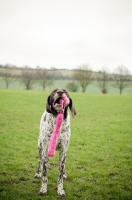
(63, 101)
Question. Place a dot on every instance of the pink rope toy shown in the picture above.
(56, 131)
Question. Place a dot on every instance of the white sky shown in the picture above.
(66, 33)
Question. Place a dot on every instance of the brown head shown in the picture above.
(53, 106)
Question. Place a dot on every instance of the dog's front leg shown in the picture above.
(62, 158)
(38, 173)
(43, 189)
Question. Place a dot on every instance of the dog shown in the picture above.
(48, 119)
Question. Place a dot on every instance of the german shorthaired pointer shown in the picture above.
(46, 128)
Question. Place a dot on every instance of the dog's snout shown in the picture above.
(60, 92)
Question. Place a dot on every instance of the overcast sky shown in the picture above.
(66, 33)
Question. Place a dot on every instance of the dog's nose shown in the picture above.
(60, 93)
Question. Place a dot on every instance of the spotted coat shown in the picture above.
(47, 123)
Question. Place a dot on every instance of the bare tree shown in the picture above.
(72, 86)
(27, 77)
(121, 78)
(7, 74)
(44, 77)
(102, 79)
(83, 75)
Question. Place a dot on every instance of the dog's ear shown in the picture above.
(73, 111)
(49, 106)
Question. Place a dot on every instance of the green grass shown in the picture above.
(99, 163)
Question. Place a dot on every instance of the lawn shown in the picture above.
(99, 163)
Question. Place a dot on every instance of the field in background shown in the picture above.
(93, 88)
(99, 163)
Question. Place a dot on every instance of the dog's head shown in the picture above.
(53, 106)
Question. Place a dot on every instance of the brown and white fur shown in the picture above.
(47, 123)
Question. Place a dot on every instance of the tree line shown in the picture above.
(81, 76)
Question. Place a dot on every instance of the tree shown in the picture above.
(8, 75)
(44, 77)
(83, 75)
(72, 86)
(27, 77)
(121, 78)
(102, 79)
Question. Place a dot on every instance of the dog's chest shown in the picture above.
(47, 124)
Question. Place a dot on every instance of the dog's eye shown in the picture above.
(64, 91)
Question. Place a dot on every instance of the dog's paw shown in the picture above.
(61, 192)
(37, 175)
(43, 191)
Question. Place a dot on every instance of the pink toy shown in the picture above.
(55, 134)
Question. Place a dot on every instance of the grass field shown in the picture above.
(99, 163)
